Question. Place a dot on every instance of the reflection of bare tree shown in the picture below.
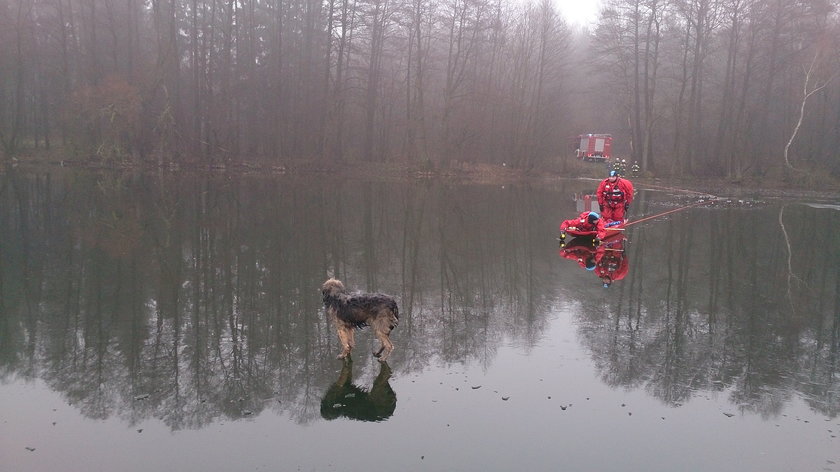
(790, 274)
(739, 337)
(193, 299)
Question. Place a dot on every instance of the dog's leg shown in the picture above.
(383, 331)
(380, 331)
(351, 338)
(387, 346)
(344, 336)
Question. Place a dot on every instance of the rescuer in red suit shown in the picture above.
(614, 197)
(586, 221)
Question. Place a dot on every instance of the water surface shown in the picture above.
(174, 323)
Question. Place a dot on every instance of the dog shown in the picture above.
(351, 311)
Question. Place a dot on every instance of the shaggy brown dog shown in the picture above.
(350, 311)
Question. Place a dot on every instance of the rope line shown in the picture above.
(669, 212)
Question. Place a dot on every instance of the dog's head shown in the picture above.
(331, 289)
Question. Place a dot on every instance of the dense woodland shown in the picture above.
(692, 87)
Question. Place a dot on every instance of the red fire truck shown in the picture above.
(594, 147)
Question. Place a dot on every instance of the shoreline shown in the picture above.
(456, 172)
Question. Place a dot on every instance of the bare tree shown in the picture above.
(378, 13)
(808, 89)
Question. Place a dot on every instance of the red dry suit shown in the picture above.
(614, 198)
(582, 224)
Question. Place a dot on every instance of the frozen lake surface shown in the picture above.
(175, 323)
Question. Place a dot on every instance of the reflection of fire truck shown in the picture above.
(594, 147)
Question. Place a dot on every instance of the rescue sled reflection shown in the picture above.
(607, 260)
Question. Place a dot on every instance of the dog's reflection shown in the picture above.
(351, 401)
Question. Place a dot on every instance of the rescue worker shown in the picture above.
(614, 197)
(585, 222)
(635, 169)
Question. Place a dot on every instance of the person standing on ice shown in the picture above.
(614, 197)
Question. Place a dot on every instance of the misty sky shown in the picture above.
(579, 11)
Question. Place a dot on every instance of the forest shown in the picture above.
(725, 88)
